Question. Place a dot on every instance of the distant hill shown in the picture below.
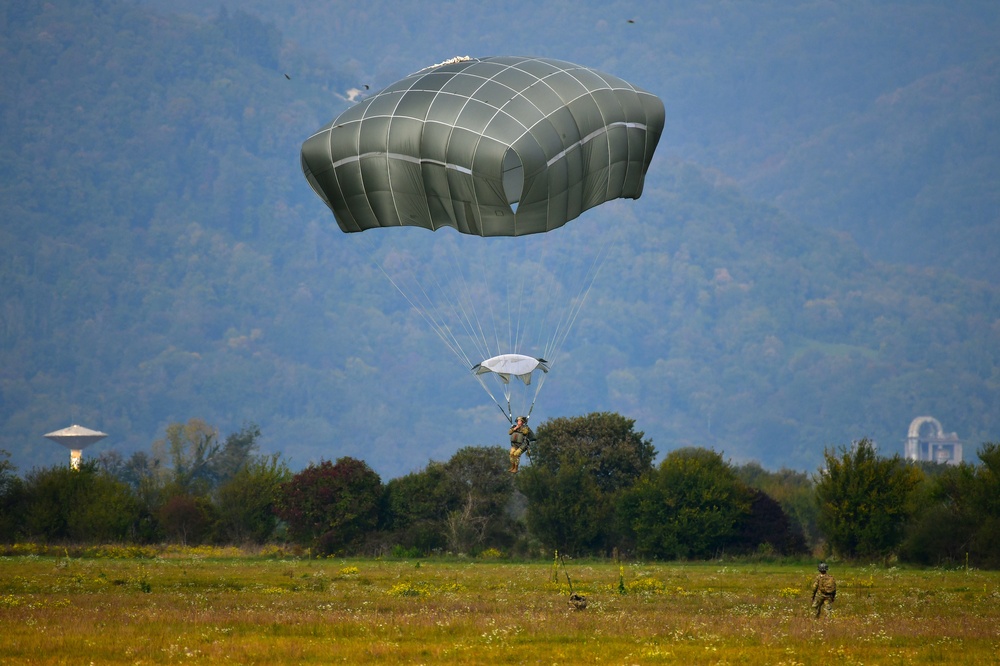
(913, 176)
(875, 118)
(162, 257)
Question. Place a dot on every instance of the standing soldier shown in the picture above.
(520, 437)
(824, 591)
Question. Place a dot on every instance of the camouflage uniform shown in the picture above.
(520, 437)
(824, 592)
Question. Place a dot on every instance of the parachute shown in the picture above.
(457, 145)
(507, 366)
(496, 147)
(512, 365)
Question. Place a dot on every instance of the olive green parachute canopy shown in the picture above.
(500, 146)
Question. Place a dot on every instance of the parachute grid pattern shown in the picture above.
(498, 146)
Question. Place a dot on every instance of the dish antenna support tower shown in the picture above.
(76, 439)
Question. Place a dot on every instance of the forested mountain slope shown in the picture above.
(162, 258)
(875, 118)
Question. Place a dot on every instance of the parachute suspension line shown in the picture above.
(465, 302)
(538, 389)
(460, 306)
(525, 276)
(442, 330)
(512, 337)
(463, 306)
(532, 277)
(493, 316)
(466, 307)
(457, 302)
(515, 329)
(506, 412)
(557, 300)
(566, 323)
(578, 301)
(526, 285)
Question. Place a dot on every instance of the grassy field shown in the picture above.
(188, 608)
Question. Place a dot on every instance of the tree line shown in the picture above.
(590, 489)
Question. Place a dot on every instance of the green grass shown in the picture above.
(194, 608)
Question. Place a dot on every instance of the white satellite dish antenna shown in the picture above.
(76, 439)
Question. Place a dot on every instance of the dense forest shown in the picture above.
(812, 261)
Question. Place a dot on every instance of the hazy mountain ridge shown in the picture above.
(930, 146)
(163, 259)
(876, 118)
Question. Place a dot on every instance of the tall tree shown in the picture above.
(481, 487)
(415, 506)
(185, 454)
(84, 505)
(767, 526)
(247, 501)
(11, 500)
(864, 500)
(463, 505)
(690, 507)
(141, 473)
(578, 467)
(331, 507)
(194, 459)
(959, 516)
(792, 489)
(187, 519)
(567, 511)
(237, 452)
